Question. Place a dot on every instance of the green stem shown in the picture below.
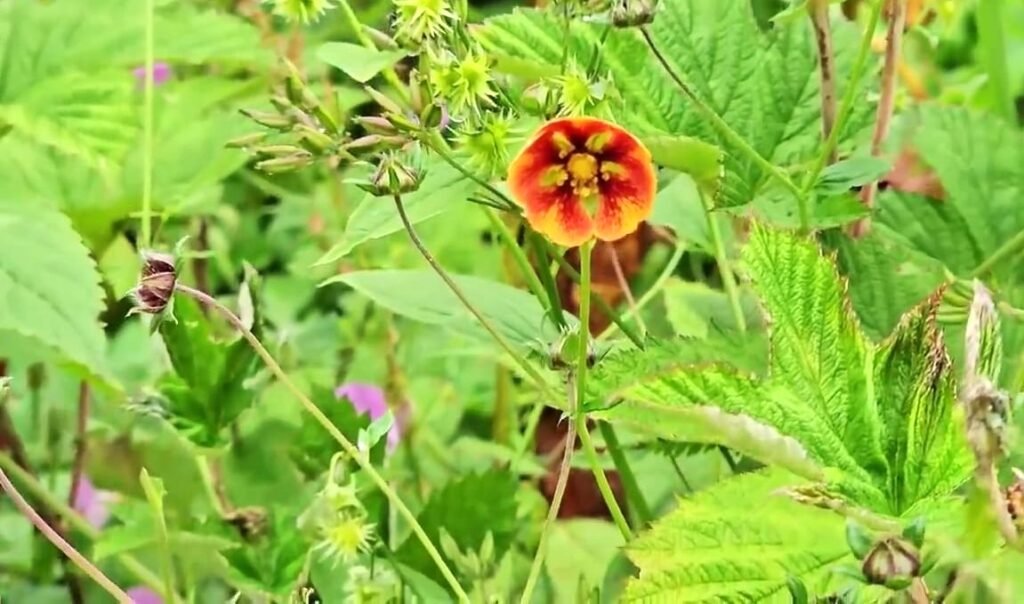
(80, 524)
(617, 319)
(325, 422)
(992, 43)
(724, 266)
(540, 248)
(352, 20)
(436, 144)
(1009, 249)
(525, 268)
(146, 234)
(556, 499)
(582, 366)
(849, 99)
(659, 284)
(730, 135)
(629, 481)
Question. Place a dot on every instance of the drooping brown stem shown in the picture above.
(896, 13)
(818, 11)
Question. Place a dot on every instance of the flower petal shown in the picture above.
(564, 221)
(627, 197)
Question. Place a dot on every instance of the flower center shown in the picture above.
(583, 170)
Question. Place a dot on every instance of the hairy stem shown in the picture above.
(325, 422)
(582, 367)
(80, 524)
(66, 548)
(730, 135)
(849, 98)
(724, 266)
(896, 11)
(629, 481)
(556, 499)
(146, 234)
(818, 11)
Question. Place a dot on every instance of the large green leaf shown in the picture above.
(879, 421)
(712, 549)
(422, 295)
(49, 286)
(764, 86)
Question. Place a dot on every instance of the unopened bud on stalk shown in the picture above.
(633, 13)
(156, 283)
(279, 150)
(293, 84)
(315, 141)
(392, 177)
(246, 141)
(892, 562)
(376, 125)
(270, 120)
(380, 39)
(281, 103)
(288, 163)
(382, 100)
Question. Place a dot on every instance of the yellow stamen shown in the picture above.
(597, 142)
(563, 144)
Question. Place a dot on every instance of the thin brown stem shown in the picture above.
(620, 276)
(818, 11)
(896, 13)
(78, 463)
(68, 550)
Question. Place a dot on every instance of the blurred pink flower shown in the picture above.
(93, 504)
(144, 595)
(369, 399)
(161, 73)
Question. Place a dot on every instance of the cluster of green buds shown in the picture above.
(892, 560)
(486, 143)
(574, 93)
(464, 82)
(424, 24)
(338, 520)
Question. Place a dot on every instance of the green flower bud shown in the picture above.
(246, 141)
(891, 561)
(270, 120)
(392, 177)
(281, 103)
(312, 139)
(376, 125)
(380, 39)
(382, 100)
(279, 150)
(288, 163)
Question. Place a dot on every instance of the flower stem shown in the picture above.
(849, 98)
(146, 234)
(730, 135)
(66, 548)
(724, 266)
(525, 365)
(629, 481)
(56, 506)
(897, 14)
(437, 144)
(582, 366)
(1009, 249)
(326, 423)
(525, 269)
(556, 499)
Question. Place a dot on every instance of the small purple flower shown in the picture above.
(144, 595)
(92, 503)
(369, 399)
(161, 73)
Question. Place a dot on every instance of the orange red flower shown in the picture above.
(580, 177)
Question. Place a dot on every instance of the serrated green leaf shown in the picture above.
(49, 286)
(764, 86)
(693, 309)
(358, 62)
(377, 217)
(711, 548)
(422, 295)
(467, 508)
(922, 433)
(702, 161)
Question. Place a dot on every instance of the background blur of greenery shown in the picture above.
(72, 108)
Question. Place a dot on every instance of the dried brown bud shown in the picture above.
(891, 561)
(392, 177)
(633, 13)
(156, 284)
